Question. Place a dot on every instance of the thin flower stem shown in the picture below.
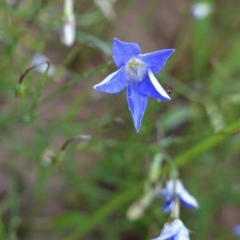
(68, 7)
(173, 167)
(23, 75)
(175, 212)
(51, 157)
(155, 169)
(75, 138)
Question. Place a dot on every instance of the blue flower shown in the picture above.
(174, 230)
(136, 73)
(236, 230)
(176, 188)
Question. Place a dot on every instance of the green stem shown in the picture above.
(208, 143)
(103, 212)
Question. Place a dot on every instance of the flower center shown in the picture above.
(135, 70)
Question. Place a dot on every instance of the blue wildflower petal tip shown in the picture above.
(137, 106)
(156, 60)
(189, 202)
(150, 87)
(113, 83)
(122, 52)
(186, 198)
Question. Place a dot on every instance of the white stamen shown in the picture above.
(135, 70)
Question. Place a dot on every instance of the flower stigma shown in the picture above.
(135, 70)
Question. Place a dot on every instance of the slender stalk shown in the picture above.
(23, 75)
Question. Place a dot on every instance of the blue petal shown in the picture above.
(113, 83)
(156, 60)
(137, 105)
(150, 87)
(167, 206)
(188, 204)
(187, 199)
(236, 230)
(122, 52)
(174, 230)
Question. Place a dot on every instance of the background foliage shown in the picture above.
(88, 193)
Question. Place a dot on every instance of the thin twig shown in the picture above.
(75, 138)
(33, 67)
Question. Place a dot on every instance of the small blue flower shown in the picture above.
(236, 230)
(174, 230)
(136, 73)
(175, 187)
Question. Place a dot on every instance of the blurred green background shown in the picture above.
(87, 194)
